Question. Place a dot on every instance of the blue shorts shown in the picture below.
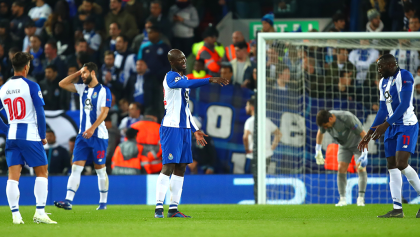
(400, 138)
(90, 150)
(19, 152)
(176, 145)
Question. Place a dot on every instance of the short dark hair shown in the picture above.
(19, 3)
(339, 16)
(52, 67)
(200, 61)
(415, 17)
(72, 139)
(408, 6)
(73, 65)
(251, 101)
(91, 66)
(50, 130)
(151, 111)
(323, 117)
(342, 72)
(241, 45)
(81, 40)
(418, 68)
(83, 57)
(156, 2)
(37, 36)
(14, 50)
(20, 60)
(131, 133)
(108, 52)
(387, 58)
(118, 24)
(137, 104)
(155, 28)
(124, 37)
(53, 44)
(89, 1)
(228, 67)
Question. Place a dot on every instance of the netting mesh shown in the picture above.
(305, 76)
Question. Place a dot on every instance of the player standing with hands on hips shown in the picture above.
(92, 140)
(401, 128)
(175, 132)
(24, 105)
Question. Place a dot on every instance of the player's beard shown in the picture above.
(88, 80)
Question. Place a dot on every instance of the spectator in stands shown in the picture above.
(114, 32)
(38, 53)
(208, 52)
(138, 10)
(93, 39)
(418, 71)
(125, 61)
(226, 71)
(30, 30)
(409, 12)
(51, 57)
(339, 21)
(143, 38)
(253, 51)
(414, 24)
(294, 59)
(126, 160)
(155, 53)
(5, 38)
(81, 45)
(58, 157)
(362, 59)
(184, 18)
(108, 75)
(89, 8)
(68, 100)
(4, 10)
(124, 19)
(134, 115)
(241, 65)
(50, 89)
(7, 62)
(39, 14)
(82, 58)
(64, 39)
(283, 79)
(156, 14)
(406, 59)
(17, 25)
(113, 141)
(268, 23)
(123, 107)
(345, 89)
(230, 53)
(374, 21)
(199, 71)
(342, 63)
(204, 157)
(137, 87)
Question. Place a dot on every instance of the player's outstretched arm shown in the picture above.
(67, 83)
(219, 80)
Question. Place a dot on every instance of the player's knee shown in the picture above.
(180, 169)
(342, 168)
(402, 165)
(167, 169)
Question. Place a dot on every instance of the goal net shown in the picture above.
(300, 74)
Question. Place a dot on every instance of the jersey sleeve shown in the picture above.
(407, 81)
(105, 98)
(36, 94)
(174, 80)
(80, 88)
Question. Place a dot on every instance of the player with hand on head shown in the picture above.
(92, 140)
(400, 129)
(26, 135)
(175, 132)
(347, 130)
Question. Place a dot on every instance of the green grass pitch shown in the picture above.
(216, 220)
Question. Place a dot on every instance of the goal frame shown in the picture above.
(261, 81)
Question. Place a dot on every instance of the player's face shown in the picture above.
(384, 69)
(248, 108)
(86, 76)
(141, 67)
(82, 47)
(180, 63)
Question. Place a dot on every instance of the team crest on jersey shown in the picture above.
(177, 79)
(170, 157)
(94, 95)
(55, 153)
(88, 104)
(159, 51)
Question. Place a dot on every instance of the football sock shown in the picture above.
(41, 194)
(161, 188)
(342, 183)
(74, 181)
(103, 184)
(176, 190)
(412, 178)
(362, 183)
(12, 193)
(395, 185)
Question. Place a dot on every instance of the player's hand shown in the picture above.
(365, 140)
(44, 141)
(88, 133)
(199, 136)
(219, 80)
(380, 130)
(319, 158)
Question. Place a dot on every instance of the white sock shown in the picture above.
(412, 178)
(176, 190)
(12, 192)
(161, 188)
(103, 185)
(74, 181)
(395, 185)
(41, 194)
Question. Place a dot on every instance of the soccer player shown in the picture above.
(401, 128)
(92, 140)
(175, 132)
(23, 102)
(347, 130)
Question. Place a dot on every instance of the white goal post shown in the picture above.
(383, 41)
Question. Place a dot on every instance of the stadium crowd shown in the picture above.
(129, 41)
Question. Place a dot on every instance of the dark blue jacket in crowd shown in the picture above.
(58, 159)
(156, 58)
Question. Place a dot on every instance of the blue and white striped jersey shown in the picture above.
(91, 102)
(390, 89)
(19, 96)
(176, 96)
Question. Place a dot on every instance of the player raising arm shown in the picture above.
(175, 132)
(23, 102)
(401, 128)
(92, 140)
(347, 130)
